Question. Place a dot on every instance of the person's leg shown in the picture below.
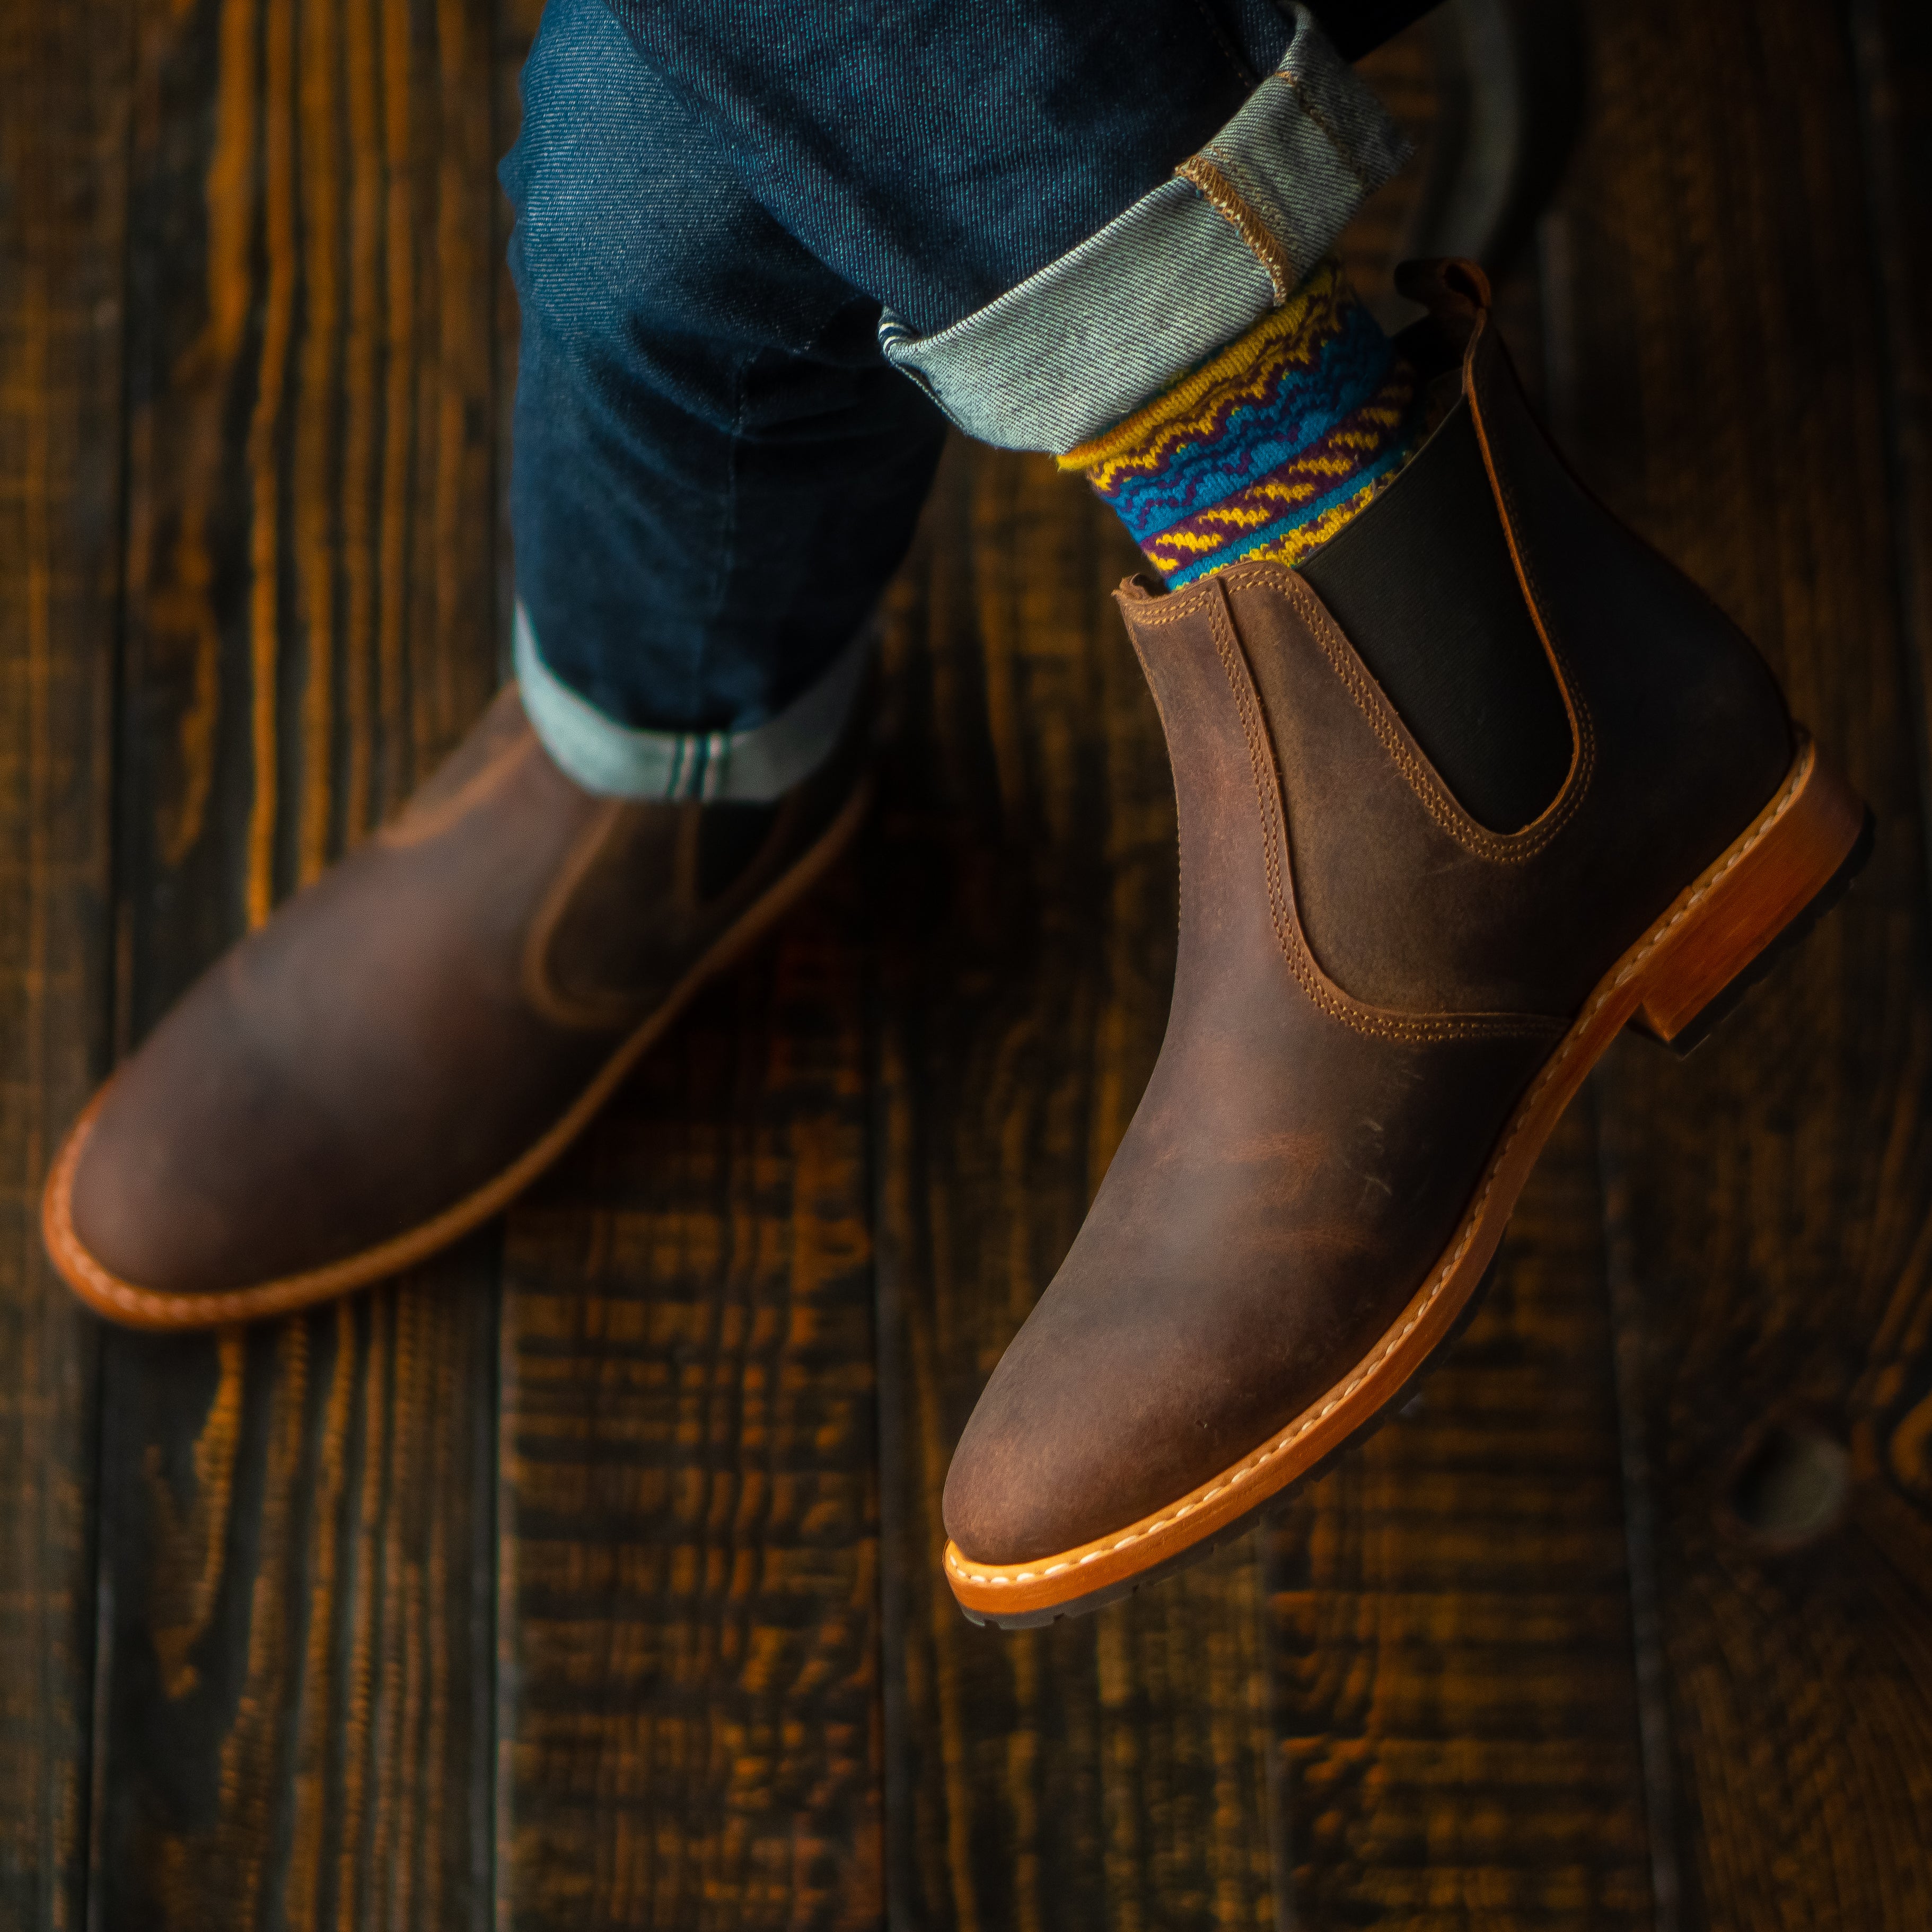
(1468, 779)
(717, 469)
(1099, 233)
(708, 228)
(714, 470)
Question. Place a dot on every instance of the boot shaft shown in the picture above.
(1504, 729)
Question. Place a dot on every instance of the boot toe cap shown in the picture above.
(1070, 1445)
(184, 1178)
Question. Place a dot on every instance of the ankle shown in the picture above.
(1269, 448)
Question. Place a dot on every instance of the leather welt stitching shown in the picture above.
(597, 1011)
(1372, 1366)
(1367, 1020)
(1513, 848)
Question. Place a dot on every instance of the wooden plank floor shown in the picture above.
(585, 1577)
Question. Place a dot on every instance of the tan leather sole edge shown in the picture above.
(1711, 933)
(134, 1307)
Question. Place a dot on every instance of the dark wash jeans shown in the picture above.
(715, 469)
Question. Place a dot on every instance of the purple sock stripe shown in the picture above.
(1227, 532)
(1257, 438)
(1239, 543)
(1285, 361)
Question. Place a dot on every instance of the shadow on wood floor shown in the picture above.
(587, 1578)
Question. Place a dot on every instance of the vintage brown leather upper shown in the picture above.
(402, 1031)
(1367, 979)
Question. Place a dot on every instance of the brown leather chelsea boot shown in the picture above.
(1484, 782)
(408, 1042)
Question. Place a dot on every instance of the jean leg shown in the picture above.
(1061, 207)
(715, 471)
(936, 153)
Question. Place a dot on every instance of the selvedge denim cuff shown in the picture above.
(1190, 266)
(754, 766)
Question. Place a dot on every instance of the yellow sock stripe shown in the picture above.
(1367, 433)
(1291, 546)
(1244, 368)
(1176, 549)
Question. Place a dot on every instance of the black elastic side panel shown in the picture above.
(1423, 584)
(730, 835)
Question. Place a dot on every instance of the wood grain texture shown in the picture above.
(1891, 48)
(296, 1521)
(719, 1681)
(1115, 1770)
(297, 1631)
(1455, 1675)
(1456, 1689)
(62, 254)
(1723, 385)
(688, 1667)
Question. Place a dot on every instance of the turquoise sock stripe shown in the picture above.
(1256, 438)
(1241, 543)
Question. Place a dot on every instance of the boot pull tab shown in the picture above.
(1456, 295)
(1453, 291)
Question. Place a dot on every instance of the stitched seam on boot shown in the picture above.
(1331, 999)
(1374, 1022)
(592, 1013)
(407, 829)
(1513, 848)
(1532, 590)
(1367, 1370)
(1510, 848)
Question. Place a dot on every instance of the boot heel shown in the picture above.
(1776, 882)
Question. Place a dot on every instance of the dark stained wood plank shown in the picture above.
(1891, 44)
(1769, 1198)
(689, 1625)
(689, 1611)
(297, 1521)
(1457, 1688)
(1457, 1680)
(1113, 1770)
(63, 216)
(299, 1633)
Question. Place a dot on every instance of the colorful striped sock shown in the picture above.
(1268, 449)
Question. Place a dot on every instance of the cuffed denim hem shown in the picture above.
(753, 766)
(1071, 350)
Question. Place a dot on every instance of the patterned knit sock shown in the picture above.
(1268, 449)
